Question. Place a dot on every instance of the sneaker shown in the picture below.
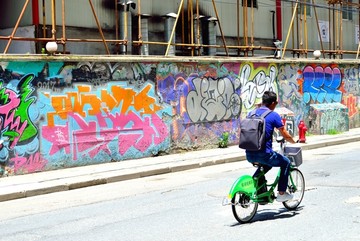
(285, 197)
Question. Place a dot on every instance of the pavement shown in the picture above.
(28, 185)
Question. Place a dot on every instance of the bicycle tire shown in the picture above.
(243, 208)
(299, 181)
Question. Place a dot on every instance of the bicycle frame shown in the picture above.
(248, 185)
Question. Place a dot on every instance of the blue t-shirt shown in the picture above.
(273, 120)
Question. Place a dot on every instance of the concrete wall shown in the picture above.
(64, 111)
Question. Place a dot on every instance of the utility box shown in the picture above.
(288, 119)
(330, 118)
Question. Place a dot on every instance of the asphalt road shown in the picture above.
(186, 206)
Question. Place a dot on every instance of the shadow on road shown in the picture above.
(264, 215)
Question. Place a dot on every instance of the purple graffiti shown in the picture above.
(321, 85)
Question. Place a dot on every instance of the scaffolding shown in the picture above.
(335, 49)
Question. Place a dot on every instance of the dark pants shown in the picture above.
(269, 160)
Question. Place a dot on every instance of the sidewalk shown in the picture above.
(28, 185)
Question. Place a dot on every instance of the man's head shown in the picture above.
(269, 99)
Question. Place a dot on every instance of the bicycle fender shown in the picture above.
(244, 184)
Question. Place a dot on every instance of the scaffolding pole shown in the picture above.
(16, 26)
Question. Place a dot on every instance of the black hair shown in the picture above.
(268, 98)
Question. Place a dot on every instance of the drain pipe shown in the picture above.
(35, 12)
(144, 34)
(278, 20)
(125, 26)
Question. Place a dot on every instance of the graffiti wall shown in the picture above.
(58, 114)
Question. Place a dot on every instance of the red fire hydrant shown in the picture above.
(302, 132)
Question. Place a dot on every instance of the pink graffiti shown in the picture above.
(29, 164)
(7, 110)
(87, 138)
(59, 136)
(143, 134)
(94, 137)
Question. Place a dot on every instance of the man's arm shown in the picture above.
(286, 135)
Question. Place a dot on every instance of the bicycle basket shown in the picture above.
(294, 154)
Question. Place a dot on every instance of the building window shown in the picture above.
(347, 10)
(304, 5)
(249, 2)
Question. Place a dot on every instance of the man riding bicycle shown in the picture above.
(268, 157)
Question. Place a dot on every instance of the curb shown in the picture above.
(72, 183)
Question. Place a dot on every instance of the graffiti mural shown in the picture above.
(321, 85)
(328, 117)
(62, 114)
(19, 135)
(73, 114)
(205, 103)
(291, 93)
(255, 81)
(351, 94)
(107, 122)
(213, 100)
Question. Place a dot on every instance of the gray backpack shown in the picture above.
(252, 131)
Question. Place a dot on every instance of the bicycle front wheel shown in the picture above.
(243, 208)
(296, 187)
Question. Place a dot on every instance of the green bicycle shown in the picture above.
(247, 192)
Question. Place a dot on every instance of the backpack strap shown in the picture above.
(263, 116)
(266, 113)
(253, 112)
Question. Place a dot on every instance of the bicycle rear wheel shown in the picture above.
(296, 187)
(243, 208)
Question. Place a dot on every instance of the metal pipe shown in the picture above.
(292, 30)
(305, 30)
(278, 20)
(341, 30)
(288, 34)
(198, 22)
(337, 30)
(252, 23)
(183, 25)
(197, 28)
(16, 26)
(44, 19)
(357, 52)
(301, 46)
(35, 12)
(188, 21)
(116, 20)
(99, 27)
(139, 20)
(318, 27)
(63, 39)
(164, 43)
(238, 22)
(245, 36)
(222, 34)
(191, 8)
(173, 30)
(53, 19)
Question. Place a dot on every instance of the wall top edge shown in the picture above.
(137, 58)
